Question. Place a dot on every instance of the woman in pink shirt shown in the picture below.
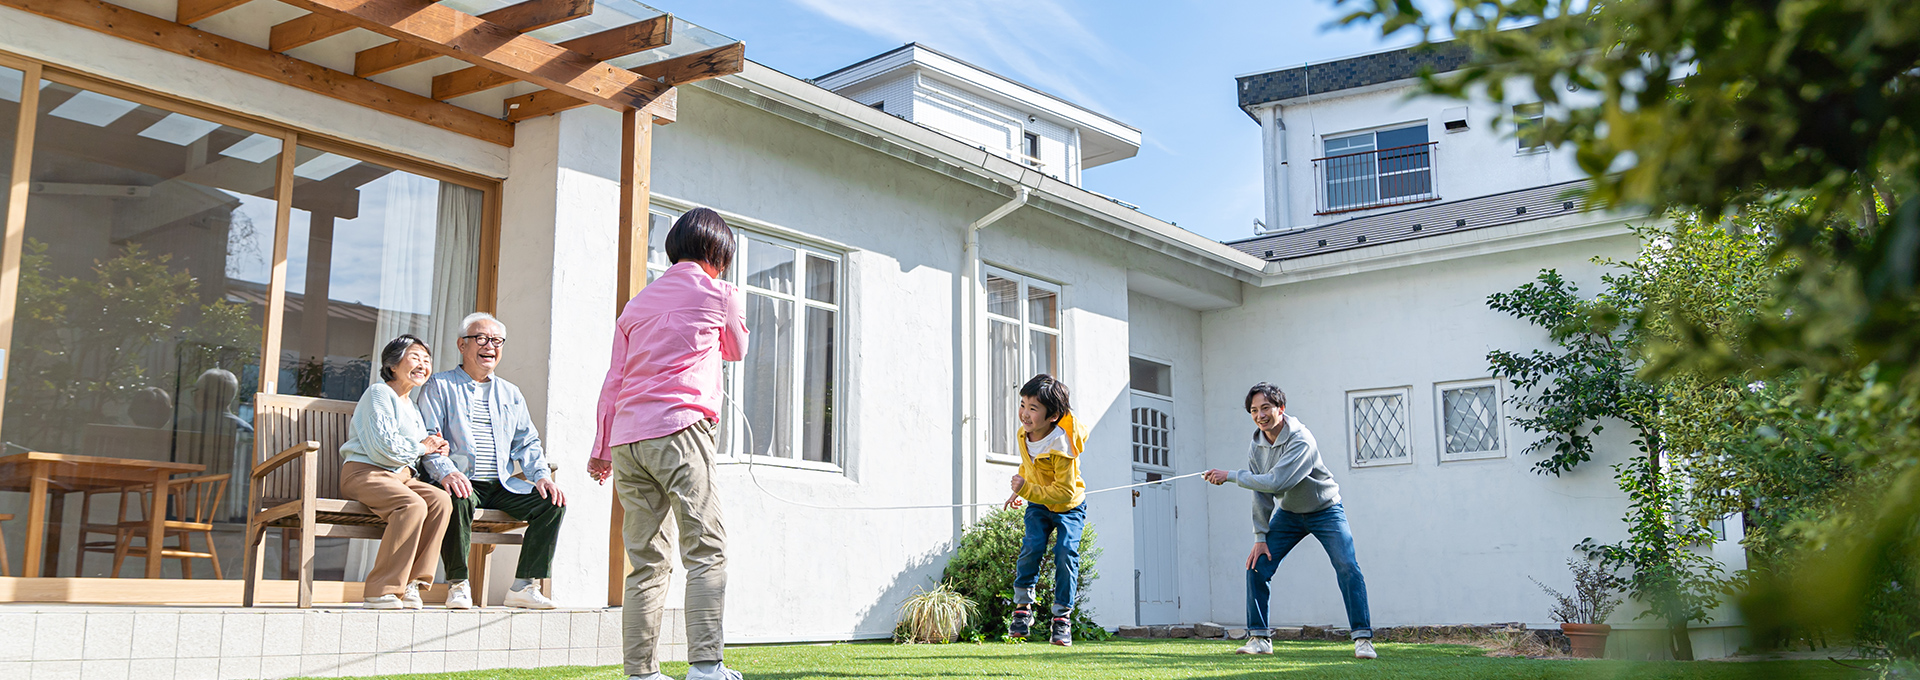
(655, 438)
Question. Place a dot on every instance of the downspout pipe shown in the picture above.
(973, 292)
(1273, 132)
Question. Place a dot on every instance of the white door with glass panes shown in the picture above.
(1023, 340)
(1156, 586)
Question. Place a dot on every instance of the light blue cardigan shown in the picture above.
(386, 430)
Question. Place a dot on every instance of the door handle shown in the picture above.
(1136, 498)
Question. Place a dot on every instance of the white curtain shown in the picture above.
(406, 261)
(456, 269)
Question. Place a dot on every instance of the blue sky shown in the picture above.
(1166, 68)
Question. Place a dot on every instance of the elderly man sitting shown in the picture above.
(484, 420)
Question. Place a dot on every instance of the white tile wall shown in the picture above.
(201, 643)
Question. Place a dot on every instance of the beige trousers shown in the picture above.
(652, 478)
(416, 514)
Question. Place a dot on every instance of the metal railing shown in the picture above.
(1374, 179)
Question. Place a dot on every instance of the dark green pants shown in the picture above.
(543, 529)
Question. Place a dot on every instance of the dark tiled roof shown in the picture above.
(1427, 220)
(1346, 74)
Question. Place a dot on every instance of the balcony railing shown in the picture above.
(1374, 179)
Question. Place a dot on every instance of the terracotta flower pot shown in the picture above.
(1589, 639)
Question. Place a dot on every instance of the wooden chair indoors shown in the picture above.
(196, 504)
(133, 505)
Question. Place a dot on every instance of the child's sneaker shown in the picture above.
(1256, 645)
(1063, 632)
(1363, 649)
(1022, 622)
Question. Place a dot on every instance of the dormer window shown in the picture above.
(1527, 119)
(1374, 169)
(1030, 146)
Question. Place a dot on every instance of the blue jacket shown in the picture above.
(444, 402)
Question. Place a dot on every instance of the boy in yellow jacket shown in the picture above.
(1049, 476)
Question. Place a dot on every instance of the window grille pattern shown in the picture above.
(1472, 417)
(1152, 437)
(1380, 429)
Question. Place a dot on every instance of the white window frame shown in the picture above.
(1406, 432)
(1025, 352)
(1538, 117)
(732, 432)
(1133, 441)
(1499, 419)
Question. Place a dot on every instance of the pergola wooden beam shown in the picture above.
(195, 11)
(612, 43)
(664, 110)
(483, 43)
(724, 60)
(153, 31)
(311, 28)
(523, 17)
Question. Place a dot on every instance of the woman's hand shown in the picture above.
(435, 444)
(599, 469)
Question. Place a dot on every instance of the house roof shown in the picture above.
(1422, 222)
(1349, 73)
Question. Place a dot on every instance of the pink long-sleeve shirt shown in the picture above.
(667, 347)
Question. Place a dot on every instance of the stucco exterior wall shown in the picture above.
(1440, 543)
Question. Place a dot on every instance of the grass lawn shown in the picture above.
(1168, 659)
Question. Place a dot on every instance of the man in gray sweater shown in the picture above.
(1285, 464)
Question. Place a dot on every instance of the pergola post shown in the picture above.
(636, 170)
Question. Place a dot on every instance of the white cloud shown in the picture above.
(1041, 42)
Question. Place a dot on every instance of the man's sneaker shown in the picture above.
(1062, 632)
(1022, 622)
(1363, 649)
(384, 602)
(1256, 645)
(719, 672)
(528, 598)
(411, 598)
(459, 595)
(655, 676)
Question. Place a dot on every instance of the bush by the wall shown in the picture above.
(982, 570)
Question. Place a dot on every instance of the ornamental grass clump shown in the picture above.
(935, 616)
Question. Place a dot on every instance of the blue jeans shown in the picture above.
(1285, 531)
(1066, 555)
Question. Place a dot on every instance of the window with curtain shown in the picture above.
(373, 252)
(1023, 340)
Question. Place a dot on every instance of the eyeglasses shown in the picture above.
(486, 340)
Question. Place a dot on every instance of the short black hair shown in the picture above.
(397, 350)
(1051, 393)
(1273, 394)
(701, 236)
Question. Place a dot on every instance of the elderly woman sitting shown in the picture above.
(387, 437)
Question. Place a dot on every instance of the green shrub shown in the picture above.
(936, 616)
(982, 570)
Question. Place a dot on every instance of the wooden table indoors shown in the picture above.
(49, 477)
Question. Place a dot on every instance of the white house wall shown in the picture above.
(1440, 543)
(956, 111)
(805, 573)
(895, 93)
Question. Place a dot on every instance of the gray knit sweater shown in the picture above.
(1289, 468)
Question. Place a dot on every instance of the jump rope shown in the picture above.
(748, 424)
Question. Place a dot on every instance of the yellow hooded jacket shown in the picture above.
(1053, 479)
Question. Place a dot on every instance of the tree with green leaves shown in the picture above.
(1726, 106)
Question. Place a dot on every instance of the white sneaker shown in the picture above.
(528, 598)
(1363, 649)
(1256, 645)
(459, 595)
(411, 598)
(720, 672)
(384, 602)
(655, 676)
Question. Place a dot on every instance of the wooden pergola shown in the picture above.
(498, 53)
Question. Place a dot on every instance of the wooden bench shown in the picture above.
(297, 490)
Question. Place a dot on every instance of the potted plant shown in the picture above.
(1583, 614)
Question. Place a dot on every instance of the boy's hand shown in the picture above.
(1217, 477)
(1259, 551)
(1018, 482)
(1013, 502)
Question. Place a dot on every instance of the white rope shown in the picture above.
(763, 489)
